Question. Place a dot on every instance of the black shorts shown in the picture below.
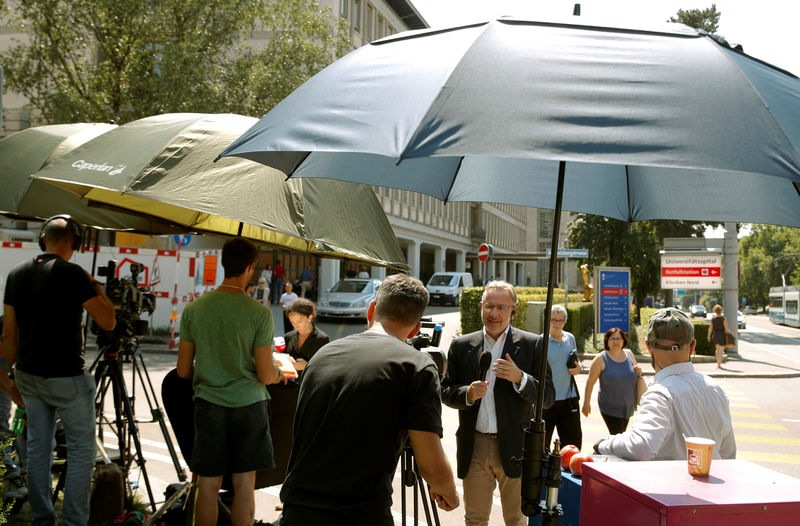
(230, 439)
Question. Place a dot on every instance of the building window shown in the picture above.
(381, 27)
(368, 22)
(391, 30)
(357, 15)
(545, 223)
(344, 8)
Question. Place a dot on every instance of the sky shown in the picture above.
(764, 27)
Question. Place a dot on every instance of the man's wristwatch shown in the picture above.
(597, 445)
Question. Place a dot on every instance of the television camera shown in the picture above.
(409, 470)
(430, 343)
(121, 346)
(130, 300)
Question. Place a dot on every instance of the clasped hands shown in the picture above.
(502, 368)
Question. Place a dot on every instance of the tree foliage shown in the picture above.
(706, 19)
(767, 256)
(636, 245)
(120, 60)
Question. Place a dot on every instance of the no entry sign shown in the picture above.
(484, 251)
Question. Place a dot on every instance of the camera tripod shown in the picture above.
(108, 372)
(411, 478)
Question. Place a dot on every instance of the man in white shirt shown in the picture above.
(680, 403)
(493, 411)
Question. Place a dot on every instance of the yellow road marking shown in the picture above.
(757, 425)
(760, 439)
(749, 414)
(778, 458)
(745, 406)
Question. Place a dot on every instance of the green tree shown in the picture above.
(636, 245)
(767, 256)
(706, 19)
(120, 60)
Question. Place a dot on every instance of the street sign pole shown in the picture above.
(485, 251)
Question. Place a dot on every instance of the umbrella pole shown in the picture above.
(550, 286)
(533, 447)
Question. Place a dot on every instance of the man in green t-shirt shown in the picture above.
(226, 348)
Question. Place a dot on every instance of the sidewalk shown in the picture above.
(737, 366)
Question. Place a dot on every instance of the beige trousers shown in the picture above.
(486, 472)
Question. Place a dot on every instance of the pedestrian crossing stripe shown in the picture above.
(758, 425)
(749, 414)
(761, 439)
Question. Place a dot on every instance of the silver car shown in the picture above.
(697, 311)
(349, 298)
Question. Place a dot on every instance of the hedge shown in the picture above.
(580, 316)
(703, 346)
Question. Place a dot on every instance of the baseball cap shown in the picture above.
(262, 280)
(670, 324)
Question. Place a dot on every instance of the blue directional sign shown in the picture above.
(575, 253)
(182, 240)
(613, 299)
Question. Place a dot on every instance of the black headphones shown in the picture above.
(76, 230)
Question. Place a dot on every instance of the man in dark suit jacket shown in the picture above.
(493, 413)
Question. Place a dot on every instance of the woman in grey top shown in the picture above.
(621, 383)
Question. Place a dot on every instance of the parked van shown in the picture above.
(445, 287)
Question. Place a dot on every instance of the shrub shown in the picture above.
(703, 346)
(580, 316)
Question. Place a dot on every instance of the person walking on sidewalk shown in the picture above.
(621, 382)
(717, 332)
(680, 403)
(278, 274)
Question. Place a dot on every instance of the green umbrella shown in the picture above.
(27, 151)
(162, 167)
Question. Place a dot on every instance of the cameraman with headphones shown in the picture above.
(43, 307)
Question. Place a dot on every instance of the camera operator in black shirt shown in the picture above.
(43, 307)
(359, 397)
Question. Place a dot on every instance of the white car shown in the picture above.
(349, 298)
(740, 320)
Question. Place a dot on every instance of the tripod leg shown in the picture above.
(157, 412)
(133, 432)
(184, 490)
(427, 499)
(109, 373)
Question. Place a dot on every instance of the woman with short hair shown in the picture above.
(306, 339)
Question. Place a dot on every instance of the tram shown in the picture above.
(783, 305)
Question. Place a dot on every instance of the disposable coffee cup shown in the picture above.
(280, 344)
(698, 455)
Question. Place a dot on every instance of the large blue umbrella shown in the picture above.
(632, 124)
(667, 124)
